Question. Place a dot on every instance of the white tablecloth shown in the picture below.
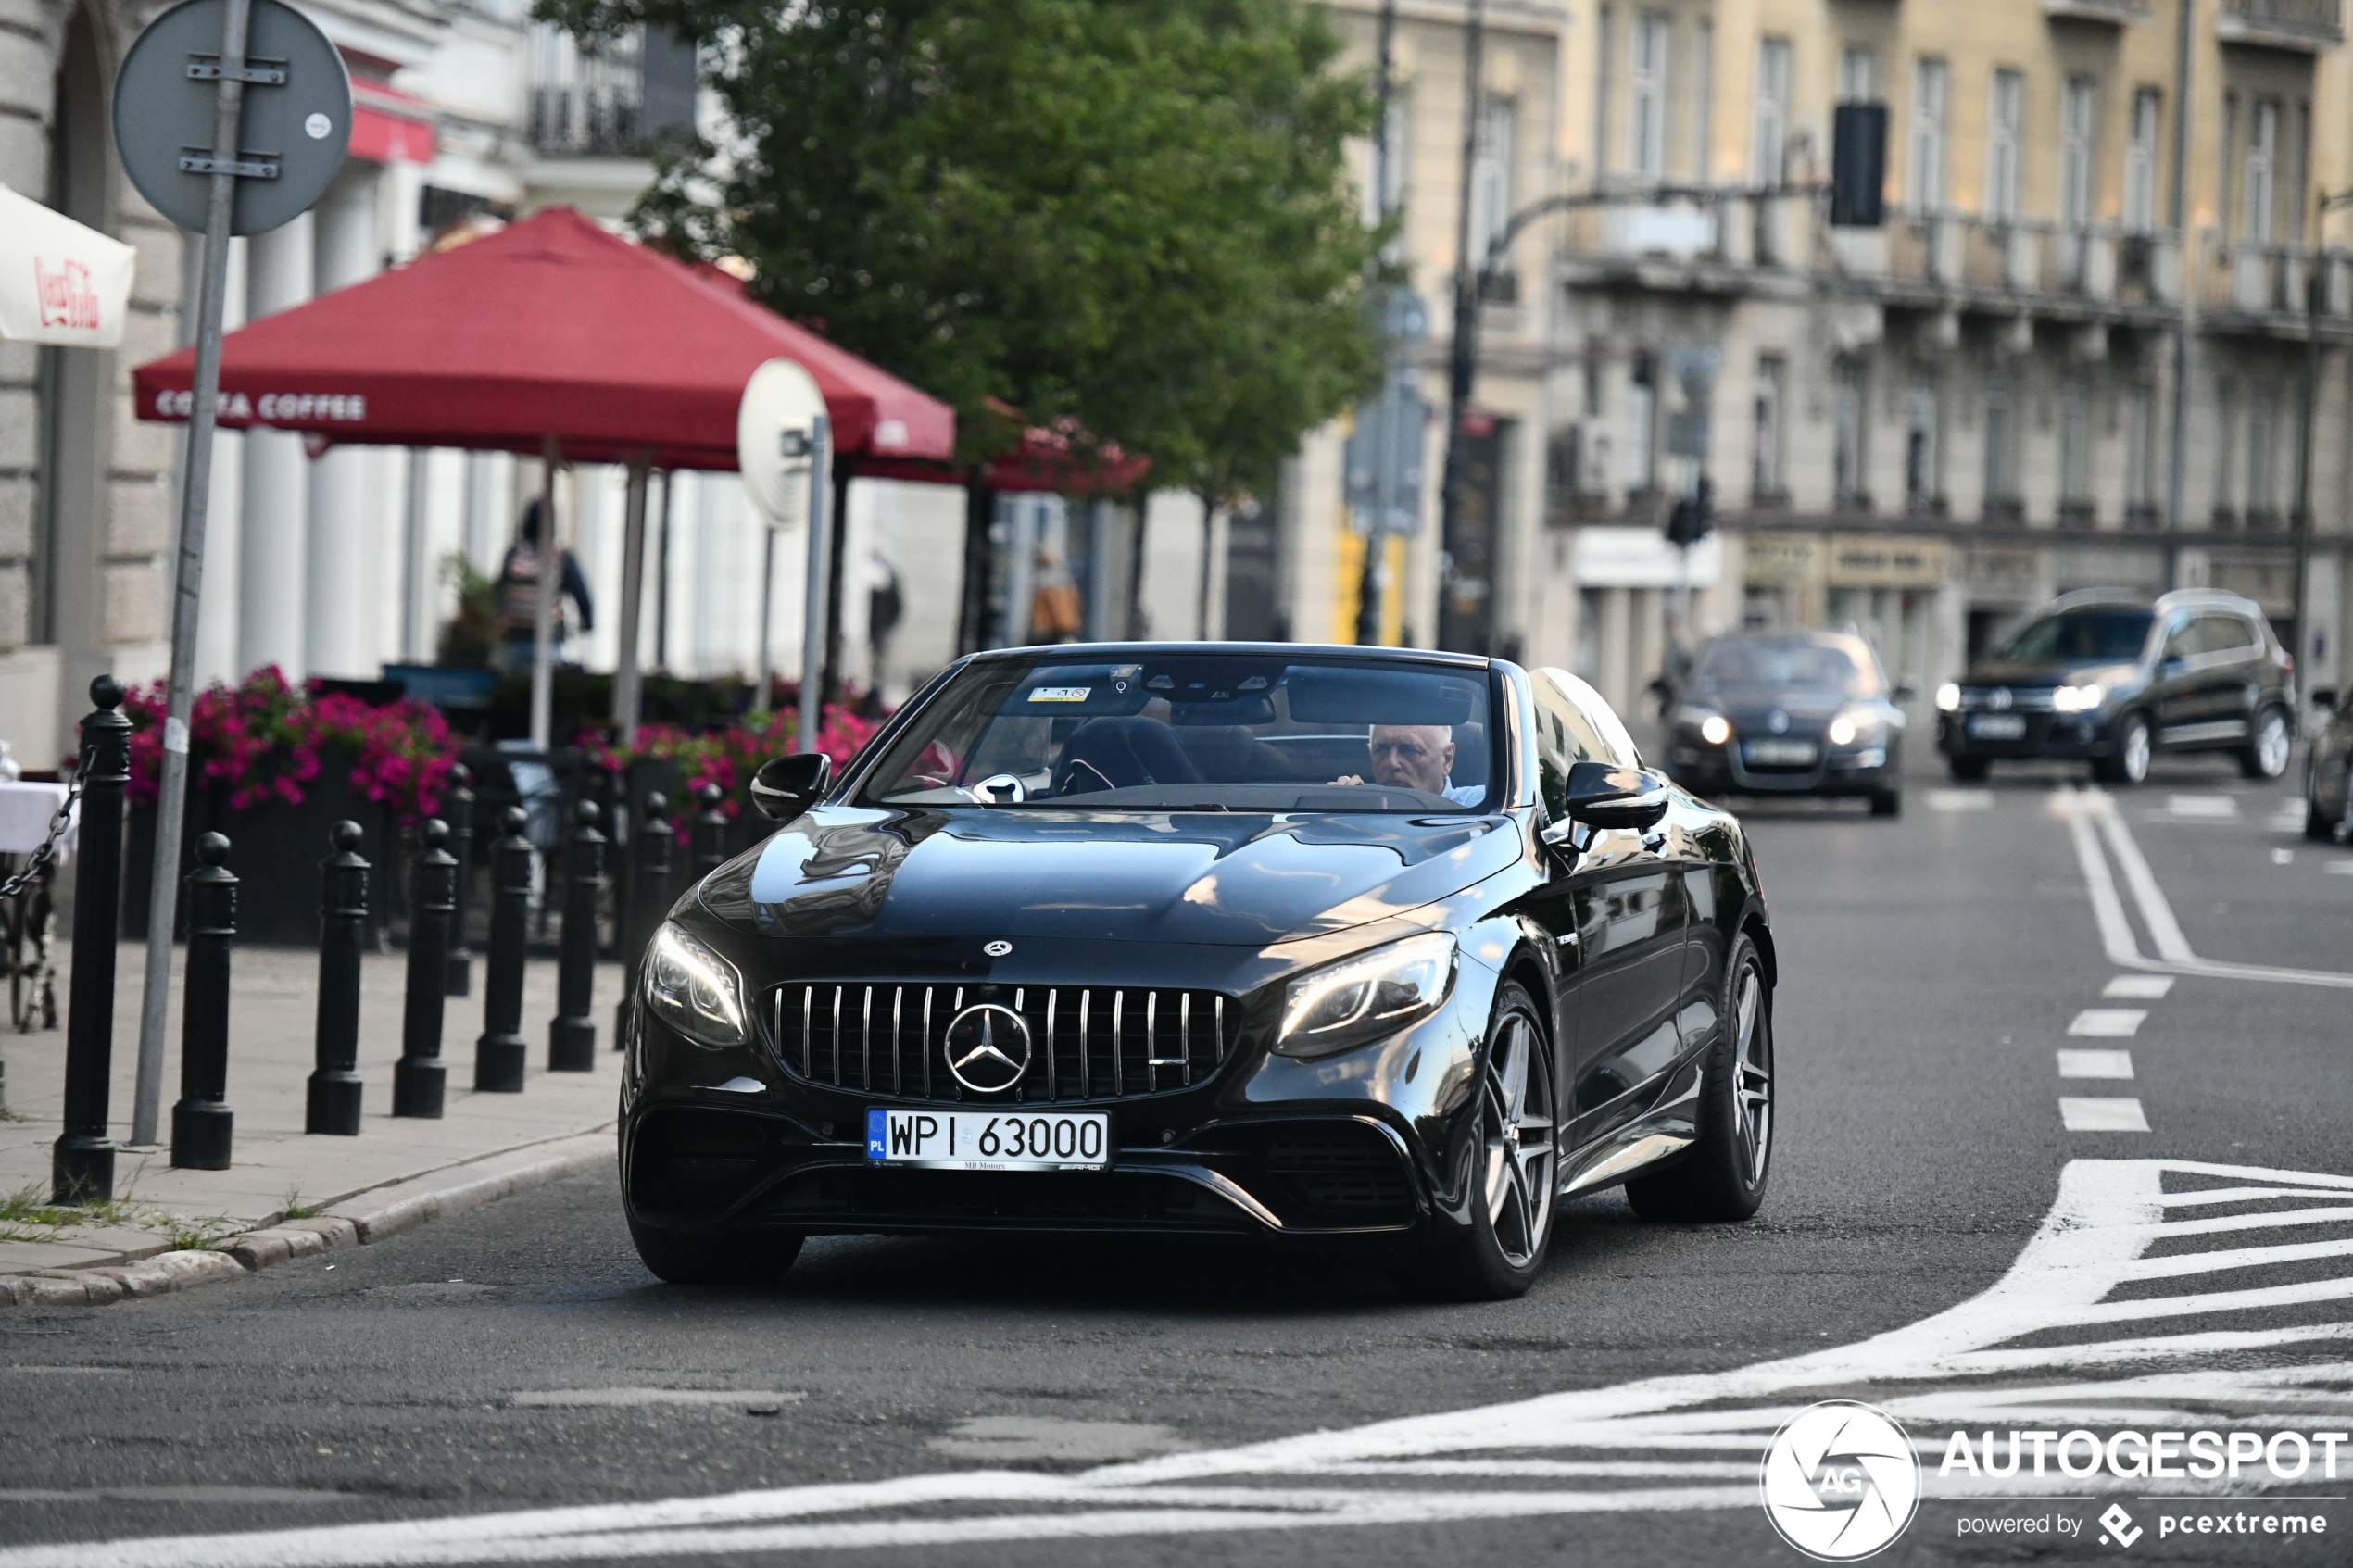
(25, 811)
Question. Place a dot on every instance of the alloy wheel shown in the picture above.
(1752, 1077)
(1517, 1125)
(2134, 750)
(2272, 743)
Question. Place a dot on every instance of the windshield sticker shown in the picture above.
(1059, 694)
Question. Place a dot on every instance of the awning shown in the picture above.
(60, 282)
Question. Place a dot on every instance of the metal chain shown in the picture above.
(57, 825)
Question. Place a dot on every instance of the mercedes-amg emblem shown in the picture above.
(987, 1048)
(998, 948)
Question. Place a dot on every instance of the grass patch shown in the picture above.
(26, 1205)
(201, 1235)
(297, 1209)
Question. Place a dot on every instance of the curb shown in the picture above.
(356, 1220)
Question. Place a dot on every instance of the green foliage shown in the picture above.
(1133, 215)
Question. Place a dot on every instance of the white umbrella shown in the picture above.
(59, 282)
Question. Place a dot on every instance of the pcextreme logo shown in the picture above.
(1841, 1482)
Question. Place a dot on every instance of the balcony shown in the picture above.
(2109, 13)
(2088, 265)
(612, 98)
(2259, 289)
(2305, 26)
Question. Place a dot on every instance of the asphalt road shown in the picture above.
(1932, 967)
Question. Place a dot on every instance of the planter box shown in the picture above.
(276, 849)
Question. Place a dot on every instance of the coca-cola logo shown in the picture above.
(67, 297)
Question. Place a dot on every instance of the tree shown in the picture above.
(1133, 216)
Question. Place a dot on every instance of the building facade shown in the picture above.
(2069, 357)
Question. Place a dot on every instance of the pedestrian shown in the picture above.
(519, 597)
(1056, 614)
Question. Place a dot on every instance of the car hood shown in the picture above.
(1752, 707)
(2012, 672)
(1197, 877)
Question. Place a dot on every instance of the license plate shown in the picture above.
(1997, 726)
(985, 1140)
(1780, 753)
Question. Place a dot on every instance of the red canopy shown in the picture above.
(552, 327)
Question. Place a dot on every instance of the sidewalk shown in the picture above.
(277, 1168)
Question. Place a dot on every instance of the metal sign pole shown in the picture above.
(163, 907)
(812, 625)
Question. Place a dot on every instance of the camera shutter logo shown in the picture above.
(987, 1048)
(1841, 1481)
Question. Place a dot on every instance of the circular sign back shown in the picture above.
(163, 114)
(775, 428)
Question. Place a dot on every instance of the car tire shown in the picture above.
(688, 1258)
(2128, 760)
(1724, 1175)
(2269, 740)
(1498, 1251)
(1969, 770)
(1887, 803)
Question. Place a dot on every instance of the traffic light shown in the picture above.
(1687, 525)
(1858, 165)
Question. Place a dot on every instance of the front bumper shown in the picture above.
(1721, 770)
(1374, 1141)
(2072, 738)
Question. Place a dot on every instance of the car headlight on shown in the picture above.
(1367, 997)
(1713, 727)
(693, 989)
(1848, 727)
(1948, 698)
(2076, 699)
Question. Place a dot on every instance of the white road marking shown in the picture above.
(2102, 1114)
(2208, 807)
(2081, 809)
(1010, 1439)
(2137, 987)
(2095, 1064)
(1960, 799)
(2107, 1023)
(572, 1398)
(2341, 868)
(2283, 857)
(1966, 1365)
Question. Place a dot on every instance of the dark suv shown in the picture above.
(2110, 677)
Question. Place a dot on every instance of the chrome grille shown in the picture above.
(2022, 699)
(1088, 1042)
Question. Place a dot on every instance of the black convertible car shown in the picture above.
(1232, 939)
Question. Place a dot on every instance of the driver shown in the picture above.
(1415, 757)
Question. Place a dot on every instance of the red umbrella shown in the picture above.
(549, 328)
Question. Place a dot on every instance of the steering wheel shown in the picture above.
(999, 789)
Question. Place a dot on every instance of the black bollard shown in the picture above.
(458, 810)
(500, 1053)
(419, 1077)
(711, 831)
(201, 1121)
(650, 882)
(572, 1035)
(332, 1104)
(81, 1161)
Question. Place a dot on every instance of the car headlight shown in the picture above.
(693, 989)
(1713, 727)
(2076, 699)
(1847, 727)
(1368, 998)
(1948, 698)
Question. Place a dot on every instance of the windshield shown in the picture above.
(1826, 663)
(2113, 634)
(1197, 732)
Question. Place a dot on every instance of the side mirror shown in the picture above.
(1605, 795)
(785, 786)
(2170, 665)
(2324, 698)
(1904, 694)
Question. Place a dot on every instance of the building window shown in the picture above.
(1931, 90)
(2001, 450)
(1769, 138)
(1857, 75)
(2140, 163)
(2262, 499)
(2140, 449)
(1642, 426)
(2262, 167)
(2075, 452)
(1646, 129)
(1848, 435)
(1703, 101)
(2299, 176)
(1491, 175)
(1606, 39)
(1920, 446)
(2079, 133)
(1765, 464)
(2005, 126)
